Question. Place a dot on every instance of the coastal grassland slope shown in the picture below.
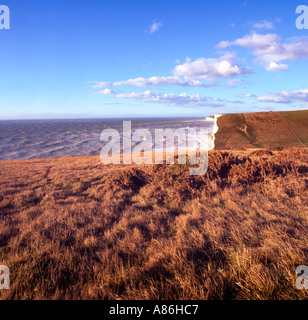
(72, 228)
(262, 130)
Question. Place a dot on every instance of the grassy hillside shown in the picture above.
(298, 123)
(262, 130)
(72, 228)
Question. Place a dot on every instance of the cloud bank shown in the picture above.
(269, 49)
(286, 97)
(155, 81)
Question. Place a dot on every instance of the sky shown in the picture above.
(151, 58)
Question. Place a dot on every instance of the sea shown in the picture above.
(39, 139)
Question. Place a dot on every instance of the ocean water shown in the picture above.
(32, 139)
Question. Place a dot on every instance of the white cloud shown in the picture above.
(170, 98)
(155, 27)
(269, 49)
(278, 52)
(250, 95)
(263, 24)
(211, 68)
(273, 66)
(235, 101)
(233, 82)
(286, 97)
(155, 81)
(253, 41)
(105, 91)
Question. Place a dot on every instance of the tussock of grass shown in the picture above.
(72, 228)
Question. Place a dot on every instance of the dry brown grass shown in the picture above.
(262, 130)
(72, 228)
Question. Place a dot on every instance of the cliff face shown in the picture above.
(262, 130)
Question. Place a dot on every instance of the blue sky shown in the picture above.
(121, 58)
